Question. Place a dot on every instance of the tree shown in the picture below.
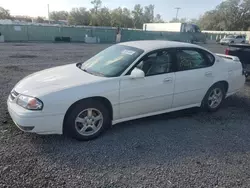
(182, 20)
(23, 18)
(127, 19)
(228, 15)
(97, 4)
(158, 19)
(138, 16)
(117, 17)
(79, 16)
(59, 15)
(94, 12)
(148, 15)
(40, 19)
(245, 8)
(210, 21)
(103, 17)
(121, 18)
(4, 14)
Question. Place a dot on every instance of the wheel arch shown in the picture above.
(101, 99)
(223, 82)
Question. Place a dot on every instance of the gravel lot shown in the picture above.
(182, 149)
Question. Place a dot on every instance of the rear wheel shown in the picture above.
(214, 97)
(87, 120)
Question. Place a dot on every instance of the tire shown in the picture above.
(74, 123)
(231, 42)
(207, 101)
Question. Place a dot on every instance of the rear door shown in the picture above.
(194, 76)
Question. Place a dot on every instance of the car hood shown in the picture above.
(55, 79)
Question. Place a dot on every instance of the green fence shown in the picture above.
(14, 33)
(25, 33)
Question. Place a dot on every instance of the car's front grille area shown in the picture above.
(13, 95)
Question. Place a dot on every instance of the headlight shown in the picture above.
(29, 103)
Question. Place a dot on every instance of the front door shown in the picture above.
(194, 76)
(154, 92)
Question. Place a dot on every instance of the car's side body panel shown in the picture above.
(191, 86)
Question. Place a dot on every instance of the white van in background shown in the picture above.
(195, 31)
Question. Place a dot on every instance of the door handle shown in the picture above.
(208, 74)
(166, 80)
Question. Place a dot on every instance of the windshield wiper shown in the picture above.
(94, 73)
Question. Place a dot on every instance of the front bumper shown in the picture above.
(35, 121)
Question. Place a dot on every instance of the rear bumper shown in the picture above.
(34, 122)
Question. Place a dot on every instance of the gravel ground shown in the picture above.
(188, 148)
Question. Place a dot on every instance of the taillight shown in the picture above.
(227, 51)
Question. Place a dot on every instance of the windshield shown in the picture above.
(112, 61)
(230, 36)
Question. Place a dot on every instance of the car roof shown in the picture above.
(150, 45)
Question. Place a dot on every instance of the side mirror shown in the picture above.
(137, 73)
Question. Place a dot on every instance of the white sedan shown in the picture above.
(123, 82)
(230, 39)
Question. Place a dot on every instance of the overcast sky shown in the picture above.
(189, 8)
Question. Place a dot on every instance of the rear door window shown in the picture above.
(188, 59)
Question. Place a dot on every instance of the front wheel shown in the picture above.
(87, 120)
(214, 98)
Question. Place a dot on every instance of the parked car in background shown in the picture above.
(230, 39)
(242, 51)
(123, 82)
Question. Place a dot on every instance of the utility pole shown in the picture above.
(177, 11)
(48, 14)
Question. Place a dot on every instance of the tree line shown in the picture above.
(98, 16)
(103, 16)
(228, 15)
